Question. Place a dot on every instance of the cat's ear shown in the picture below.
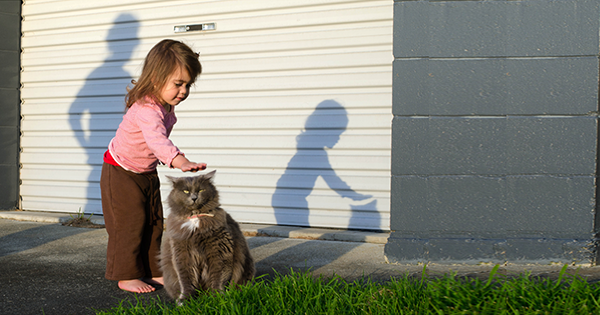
(171, 179)
(209, 175)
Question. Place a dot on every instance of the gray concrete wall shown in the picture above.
(495, 131)
(10, 36)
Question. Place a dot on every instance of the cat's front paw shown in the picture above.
(180, 300)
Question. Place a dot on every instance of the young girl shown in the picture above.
(130, 187)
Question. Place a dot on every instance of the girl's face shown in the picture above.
(177, 88)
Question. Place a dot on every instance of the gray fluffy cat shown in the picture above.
(203, 248)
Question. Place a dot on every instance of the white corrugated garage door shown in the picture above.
(293, 107)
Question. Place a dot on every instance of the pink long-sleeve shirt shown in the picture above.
(143, 137)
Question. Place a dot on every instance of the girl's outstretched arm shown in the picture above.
(186, 165)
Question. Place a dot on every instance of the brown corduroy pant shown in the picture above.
(133, 217)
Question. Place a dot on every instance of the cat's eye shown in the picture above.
(186, 191)
(201, 190)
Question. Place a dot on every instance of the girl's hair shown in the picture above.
(162, 60)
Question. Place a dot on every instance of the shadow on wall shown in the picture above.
(311, 161)
(86, 112)
(322, 130)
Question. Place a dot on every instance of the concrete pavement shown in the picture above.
(48, 268)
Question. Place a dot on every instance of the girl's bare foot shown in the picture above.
(154, 281)
(159, 280)
(136, 286)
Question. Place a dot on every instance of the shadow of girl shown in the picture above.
(89, 107)
(311, 162)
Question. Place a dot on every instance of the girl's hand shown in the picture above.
(192, 167)
(186, 165)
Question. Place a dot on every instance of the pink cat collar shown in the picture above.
(201, 215)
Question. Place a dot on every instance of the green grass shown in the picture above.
(300, 293)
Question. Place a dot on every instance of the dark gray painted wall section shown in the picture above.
(10, 36)
(495, 131)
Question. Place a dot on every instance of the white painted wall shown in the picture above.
(267, 68)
